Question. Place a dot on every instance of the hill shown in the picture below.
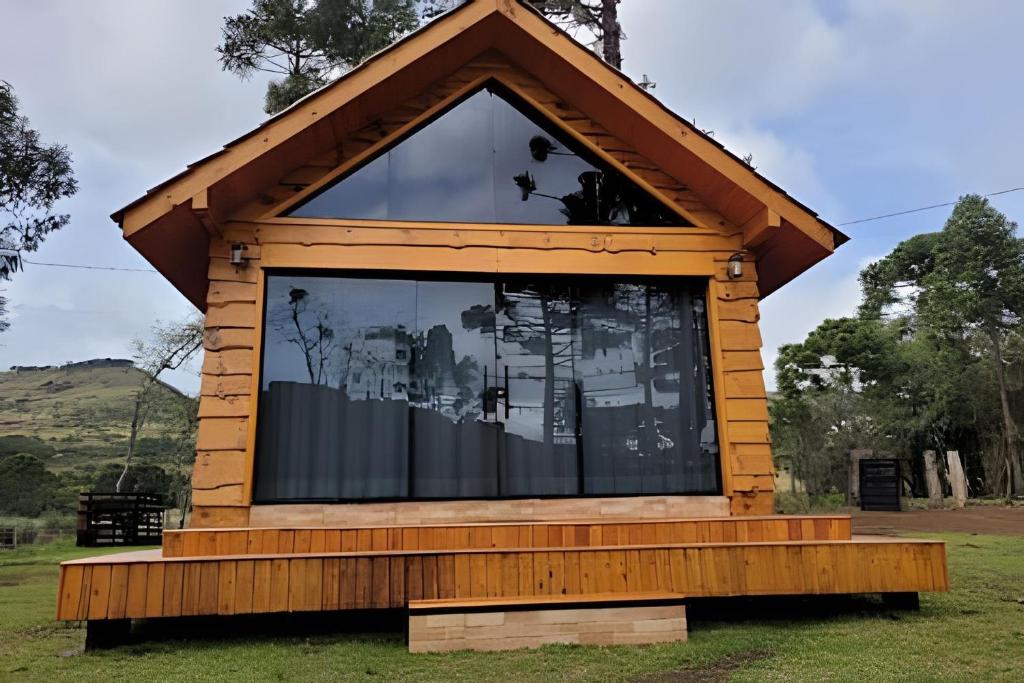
(78, 415)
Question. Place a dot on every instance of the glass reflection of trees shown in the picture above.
(625, 367)
(489, 159)
(339, 348)
(383, 388)
(304, 322)
(648, 416)
(536, 322)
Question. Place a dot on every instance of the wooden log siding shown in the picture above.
(137, 585)
(225, 410)
(222, 478)
(201, 542)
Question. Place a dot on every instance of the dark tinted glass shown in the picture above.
(382, 388)
(648, 419)
(334, 410)
(454, 445)
(485, 161)
(375, 389)
(537, 348)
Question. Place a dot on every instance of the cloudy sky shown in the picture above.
(856, 108)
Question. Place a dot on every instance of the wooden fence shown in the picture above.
(119, 519)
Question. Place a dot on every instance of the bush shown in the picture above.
(26, 487)
(141, 478)
(156, 447)
(53, 520)
(18, 443)
(803, 504)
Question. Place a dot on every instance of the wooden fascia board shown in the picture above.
(372, 151)
(205, 173)
(618, 86)
(177, 245)
(788, 254)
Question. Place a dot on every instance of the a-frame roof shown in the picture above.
(170, 224)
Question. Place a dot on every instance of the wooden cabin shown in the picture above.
(482, 343)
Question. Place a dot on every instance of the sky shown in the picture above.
(856, 108)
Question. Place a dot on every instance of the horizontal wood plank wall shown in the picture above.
(104, 588)
(210, 542)
(741, 395)
(529, 510)
(222, 473)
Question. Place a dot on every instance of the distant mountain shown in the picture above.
(78, 415)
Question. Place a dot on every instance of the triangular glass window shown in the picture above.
(488, 159)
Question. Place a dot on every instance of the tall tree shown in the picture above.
(309, 42)
(171, 346)
(33, 177)
(186, 418)
(949, 306)
(976, 285)
(823, 409)
(600, 18)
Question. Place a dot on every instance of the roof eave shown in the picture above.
(447, 31)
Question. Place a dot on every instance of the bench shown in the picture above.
(443, 625)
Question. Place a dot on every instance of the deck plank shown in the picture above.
(148, 584)
(70, 593)
(99, 591)
(315, 540)
(135, 599)
(245, 580)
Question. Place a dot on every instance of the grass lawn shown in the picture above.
(975, 633)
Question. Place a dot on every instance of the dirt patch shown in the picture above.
(718, 670)
(971, 520)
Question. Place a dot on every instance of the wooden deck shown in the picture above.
(562, 534)
(248, 580)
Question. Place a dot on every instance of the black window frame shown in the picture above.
(492, 278)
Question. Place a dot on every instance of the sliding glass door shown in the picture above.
(538, 342)
(647, 414)
(384, 388)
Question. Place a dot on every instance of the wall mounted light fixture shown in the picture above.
(735, 268)
(238, 257)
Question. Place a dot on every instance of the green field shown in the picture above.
(74, 417)
(973, 633)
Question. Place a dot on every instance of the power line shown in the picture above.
(923, 208)
(853, 222)
(76, 265)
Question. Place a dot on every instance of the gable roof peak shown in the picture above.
(519, 31)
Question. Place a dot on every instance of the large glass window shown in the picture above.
(489, 159)
(378, 388)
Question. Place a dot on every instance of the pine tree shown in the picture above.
(599, 17)
(309, 42)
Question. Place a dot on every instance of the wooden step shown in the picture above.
(445, 605)
(510, 623)
(146, 584)
(578, 534)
